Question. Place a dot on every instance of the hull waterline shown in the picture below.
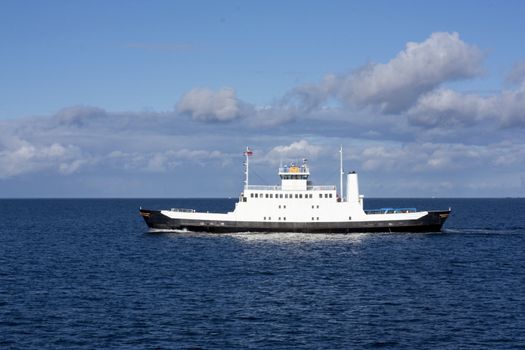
(431, 222)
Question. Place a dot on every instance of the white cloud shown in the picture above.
(294, 151)
(419, 68)
(445, 108)
(209, 106)
(21, 156)
(429, 157)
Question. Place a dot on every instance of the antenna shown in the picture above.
(341, 173)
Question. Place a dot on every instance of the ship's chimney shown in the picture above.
(352, 188)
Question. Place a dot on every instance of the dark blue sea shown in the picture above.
(87, 274)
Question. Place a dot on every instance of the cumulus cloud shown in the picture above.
(429, 157)
(20, 156)
(296, 150)
(419, 68)
(206, 105)
(161, 160)
(445, 108)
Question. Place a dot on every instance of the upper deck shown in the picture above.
(280, 188)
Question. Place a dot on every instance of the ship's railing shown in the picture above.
(279, 188)
(262, 187)
(320, 188)
(390, 211)
(183, 210)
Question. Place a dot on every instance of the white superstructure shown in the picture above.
(297, 200)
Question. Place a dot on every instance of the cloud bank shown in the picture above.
(397, 120)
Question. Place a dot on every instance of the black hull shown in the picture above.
(432, 222)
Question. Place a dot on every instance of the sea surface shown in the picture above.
(87, 274)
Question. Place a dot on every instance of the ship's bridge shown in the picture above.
(294, 177)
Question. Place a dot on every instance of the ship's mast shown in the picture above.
(341, 173)
(247, 154)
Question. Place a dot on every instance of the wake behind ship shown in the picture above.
(298, 206)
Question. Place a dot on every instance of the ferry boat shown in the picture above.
(298, 206)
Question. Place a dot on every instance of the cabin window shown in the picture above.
(279, 218)
(317, 207)
(284, 206)
(312, 218)
(330, 195)
(320, 195)
(349, 218)
(255, 195)
(265, 218)
(281, 195)
(279, 207)
(284, 218)
(326, 195)
(244, 199)
(318, 218)
(312, 206)
(300, 196)
(266, 195)
(261, 195)
(251, 195)
(296, 195)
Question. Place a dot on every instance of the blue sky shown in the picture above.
(141, 98)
